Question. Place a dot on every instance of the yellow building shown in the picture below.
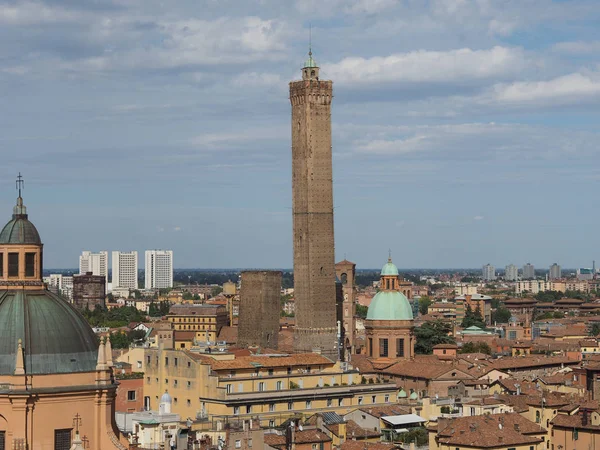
(276, 387)
(205, 320)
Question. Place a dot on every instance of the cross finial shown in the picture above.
(310, 39)
(389, 255)
(20, 183)
(77, 422)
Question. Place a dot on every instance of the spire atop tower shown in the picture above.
(310, 62)
(20, 211)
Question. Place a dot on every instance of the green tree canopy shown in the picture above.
(501, 315)
(361, 311)
(476, 347)
(432, 333)
(424, 303)
(473, 318)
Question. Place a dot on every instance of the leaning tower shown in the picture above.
(312, 209)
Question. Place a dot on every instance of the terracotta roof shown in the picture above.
(228, 334)
(574, 421)
(454, 346)
(361, 445)
(267, 361)
(489, 431)
(300, 437)
(195, 310)
(184, 335)
(425, 370)
(353, 431)
(486, 401)
(388, 410)
(522, 362)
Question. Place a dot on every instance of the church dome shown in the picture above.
(389, 269)
(166, 398)
(55, 337)
(20, 230)
(389, 305)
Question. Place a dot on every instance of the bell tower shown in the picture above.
(312, 209)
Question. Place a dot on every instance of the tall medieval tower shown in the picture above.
(312, 208)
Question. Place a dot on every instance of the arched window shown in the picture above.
(344, 278)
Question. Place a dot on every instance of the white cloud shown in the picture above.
(566, 89)
(424, 66)
(578, 47)
(32, 13)
(478, 218)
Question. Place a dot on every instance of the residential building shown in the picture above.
(205, 321)
(465, 289)
(96, 263)
(125, 269)
(528, 272)
(585, 274)
(531, 286)
(511, 273)
(476, 301)
(89, 291)
(555, 272)
(61, 285)
(159, 269)
(273, 386)
(489, 272)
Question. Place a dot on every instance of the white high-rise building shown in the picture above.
(528, 272)
(96, 263)
(555, 272)
(489, 272)
(159, 269)
(511, 272)
(125, 270)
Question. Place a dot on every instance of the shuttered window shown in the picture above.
(62, 439)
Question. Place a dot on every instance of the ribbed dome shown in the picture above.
(20, 230)
(389, 269)
(389, 305)
(56, 338)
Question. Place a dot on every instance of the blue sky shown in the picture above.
(464, 131)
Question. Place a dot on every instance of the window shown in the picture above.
(248, 409)
(400, 348)
(175, 400)
(1, 264)
(238, 443)
(329, 403)
(340, 402)
(270, 372)
(236, 410)
(62, 439)
(315, 447)
(290, 406)
(131, 396)
(174, 383)
(189, 364)
(139, 364)
(386, 398)
(148, 379)
(189, 402)
(370, 346)
(175, 362)
(360, 400)
(189, 384)
(13, 266)
(271, 407)
(261, 386)
(29, 264)
(166, 381)
(166, 360)
(279, 385)
(383, 347)
(373, 399)
(2, 433)
(308, 404)
(229, 388)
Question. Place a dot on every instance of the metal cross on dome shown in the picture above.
(77, 422)
(20, 183)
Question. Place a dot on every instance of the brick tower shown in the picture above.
(312, 209)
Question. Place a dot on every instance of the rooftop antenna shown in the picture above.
(20, 183)
(310, 39)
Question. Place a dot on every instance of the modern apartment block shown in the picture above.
(125, 269)
(555, 272)
(488, 272)
(511, 273)
(159, 269)
(528, 272)
(96, 263)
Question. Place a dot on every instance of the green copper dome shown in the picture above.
(20, 230)
(55, 337)
(402, 393)
(389, 305)
(389, 269)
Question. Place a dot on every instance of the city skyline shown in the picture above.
(189, 141)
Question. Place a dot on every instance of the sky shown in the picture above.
(464, 131)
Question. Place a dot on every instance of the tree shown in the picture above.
(424, 303)
(476, 347)
(216, 291)
(159, 309)
(595, 330)
(432, 333)
(361, 311)
(473, 318)
(501, 315)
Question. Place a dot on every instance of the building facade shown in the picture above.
(205, 321)
(511, 273)
(528, 272)
(260, 307)
(555, 272)
(346, 272)
(159, 269)
(125, 269)
(96, 263)
(312, 210)
(488, 272)
(89, 291)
